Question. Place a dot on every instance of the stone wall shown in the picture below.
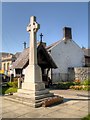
(80, 73)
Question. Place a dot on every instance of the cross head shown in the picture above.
(33, 25)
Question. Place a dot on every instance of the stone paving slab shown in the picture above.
(69, 109)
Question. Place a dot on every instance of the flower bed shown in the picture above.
(77, 85)
(85, 85)
(80, 87)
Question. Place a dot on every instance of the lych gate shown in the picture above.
(44, 60)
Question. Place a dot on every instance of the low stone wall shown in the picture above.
(80, 73)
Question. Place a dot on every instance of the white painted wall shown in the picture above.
(66, 55)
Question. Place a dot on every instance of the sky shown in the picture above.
(52, 17)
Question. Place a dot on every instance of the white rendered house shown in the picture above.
(66, 53)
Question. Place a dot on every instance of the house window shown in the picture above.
(7, 66)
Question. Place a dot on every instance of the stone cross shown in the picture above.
(24, 45)
(41, 35)
(32, 28)
(33, 87)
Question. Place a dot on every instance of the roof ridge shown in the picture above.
(53, 44)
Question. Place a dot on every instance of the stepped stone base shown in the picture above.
(31, 98)
(33, 92)
(45, 100)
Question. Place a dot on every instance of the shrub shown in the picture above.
(77, 82)
(64, 85)
(86, 118)
(86, 82)
(4, 88)
(84, 85)
(7, 90)
(11, 90)
(80, 87)
(71, 87)
(15, 84)
(69, 84)
(86, 88)
(12, 84)
(15, 79)
(76, 87)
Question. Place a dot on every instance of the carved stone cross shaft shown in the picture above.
(32, 28)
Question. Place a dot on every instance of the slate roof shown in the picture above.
(4, 54)
(17, 54)
(52, 45)
(24, 58)
(47, 58)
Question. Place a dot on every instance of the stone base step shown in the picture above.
(33, 101)
(44, 96)
(37, 103)
(29, 92)
(34, 96)
(23, 101)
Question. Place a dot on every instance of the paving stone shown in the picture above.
(77, 108)
(59, 115)
(10, 115)
(30, 115)
(6, 110)
(68, 109)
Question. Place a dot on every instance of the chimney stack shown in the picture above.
(67, 33)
